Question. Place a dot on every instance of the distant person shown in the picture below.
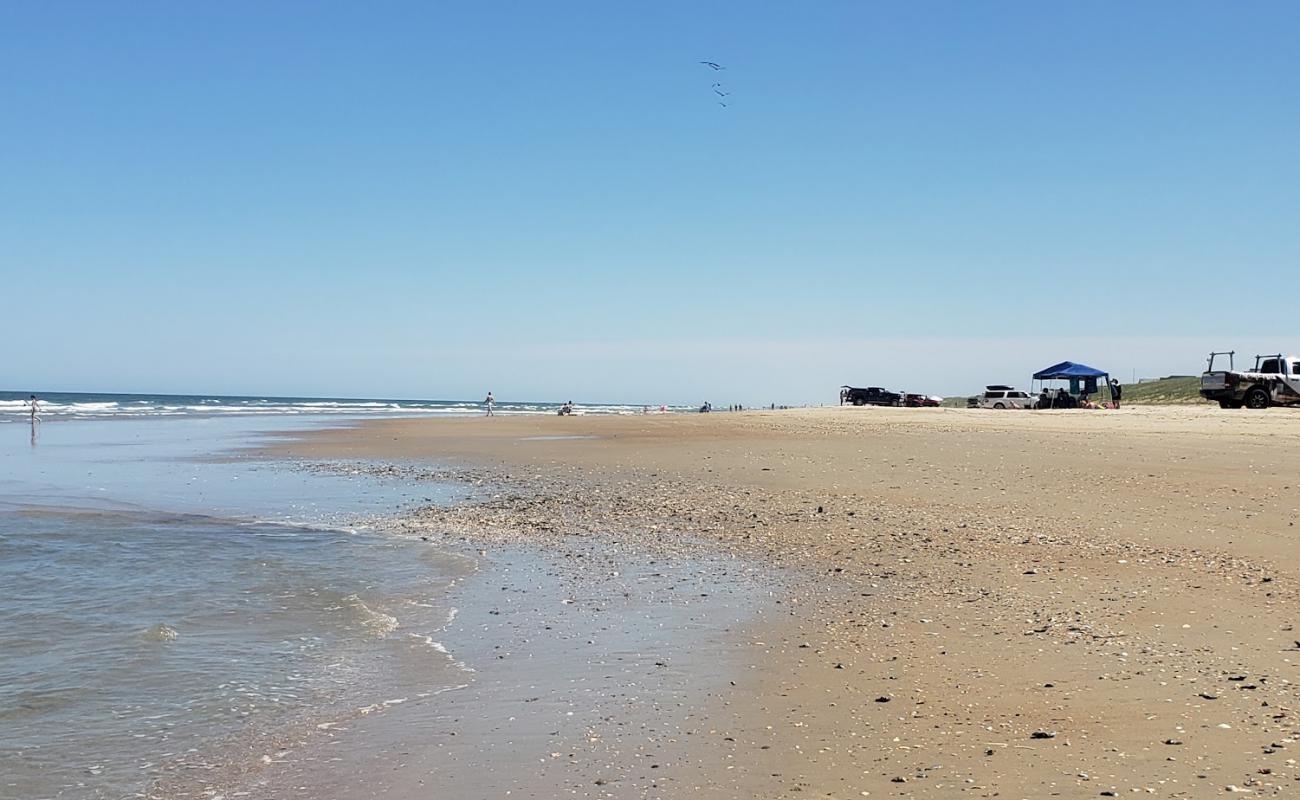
(489, 402)
(844, 396)
(1044, 401)
(35, 409)
(566, 409)
(1115, 391)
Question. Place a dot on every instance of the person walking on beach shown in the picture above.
(489, 402)
(35, 408)
(1115, 391)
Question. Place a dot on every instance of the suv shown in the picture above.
(1275, 381)
(1002, 397)
(871, 396)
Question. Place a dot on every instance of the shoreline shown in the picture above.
(621, 609)
(569, 666)
(997, 603)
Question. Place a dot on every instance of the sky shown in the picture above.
(431, 200)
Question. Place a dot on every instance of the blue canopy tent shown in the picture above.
(1082, 378)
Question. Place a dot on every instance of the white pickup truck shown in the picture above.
(1275, 381)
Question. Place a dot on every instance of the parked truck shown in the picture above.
(870, 396)
(1275, 381)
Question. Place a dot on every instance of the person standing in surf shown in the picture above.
(35, 407)
(489, 402)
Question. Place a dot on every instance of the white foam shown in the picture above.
(377, 623)
(165, 406)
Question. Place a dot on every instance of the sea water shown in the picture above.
(162, 611)
(14, 406)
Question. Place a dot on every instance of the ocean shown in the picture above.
(168, 605)
(82, 405)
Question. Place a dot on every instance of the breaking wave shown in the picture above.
(14, 407)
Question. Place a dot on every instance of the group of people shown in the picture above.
(707, 407)
(567, 409)
(1060, 398)
(490, 402)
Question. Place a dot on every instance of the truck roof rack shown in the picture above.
(1231, 354)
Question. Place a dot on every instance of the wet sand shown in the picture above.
(595, 686)
(1010, 604)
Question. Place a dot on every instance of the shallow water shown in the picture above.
(160, 612)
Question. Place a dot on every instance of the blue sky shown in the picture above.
(544, 199)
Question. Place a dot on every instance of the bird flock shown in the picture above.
(718, 88)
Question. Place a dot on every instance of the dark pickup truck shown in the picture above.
(871, 396)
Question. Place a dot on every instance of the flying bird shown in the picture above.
(717, 85)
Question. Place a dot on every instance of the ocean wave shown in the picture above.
(441, 649)
(162, 632)
(72, 406)
(375, 623)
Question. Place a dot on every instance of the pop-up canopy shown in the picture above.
(1066, 370)
(1076, 374)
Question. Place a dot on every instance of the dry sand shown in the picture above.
(994, 604)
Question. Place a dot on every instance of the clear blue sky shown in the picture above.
(543, 199)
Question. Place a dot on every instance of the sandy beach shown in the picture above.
(919, 602)
(456, 401)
